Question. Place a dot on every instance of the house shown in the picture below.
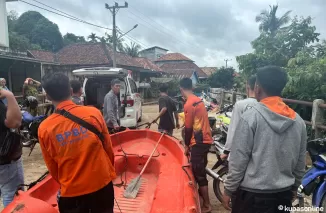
(179, 66)
(16, 66)
(153, 53)
(77, 56)
(152, 70)
(208, 70)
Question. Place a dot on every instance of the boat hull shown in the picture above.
(167, 185)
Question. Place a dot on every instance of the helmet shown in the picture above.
(31, 102)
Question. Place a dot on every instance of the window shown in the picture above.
(133, 86)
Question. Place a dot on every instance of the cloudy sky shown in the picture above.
(207, 31)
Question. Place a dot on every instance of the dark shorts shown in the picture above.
(198, 160)
(101, 201)
(169, 132)
(250, 202)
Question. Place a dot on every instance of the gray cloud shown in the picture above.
(208, 31)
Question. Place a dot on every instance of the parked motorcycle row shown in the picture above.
(30, 123)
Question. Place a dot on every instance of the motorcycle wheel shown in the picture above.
(28, 143)
(323, 203)
(217, 184)
(26, 139)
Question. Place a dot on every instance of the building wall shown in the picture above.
(4, 38)
(153, 54)
(150, 54)
(159, 53)
(159, 63)
(15, 72)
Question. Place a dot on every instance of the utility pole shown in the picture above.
(114, 10)
(226, 62)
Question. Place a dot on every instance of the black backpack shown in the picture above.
(10, 141)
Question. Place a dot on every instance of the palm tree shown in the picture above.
(92, 37)
(269, 22)
(133, 49)
(109, 41)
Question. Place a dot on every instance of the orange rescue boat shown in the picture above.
(167, 186)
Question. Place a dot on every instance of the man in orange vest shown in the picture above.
(79, 156)
(198, 138)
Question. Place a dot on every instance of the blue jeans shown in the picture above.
(11, 176)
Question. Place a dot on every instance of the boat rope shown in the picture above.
(118, 205)
(21, 186)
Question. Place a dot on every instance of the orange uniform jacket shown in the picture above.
(76, 157)
(197, 129)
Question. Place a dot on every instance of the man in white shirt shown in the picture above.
(239, 108)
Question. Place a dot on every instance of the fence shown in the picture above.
(41, 99)
(318, 107)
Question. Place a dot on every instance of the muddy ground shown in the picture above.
(34, 165)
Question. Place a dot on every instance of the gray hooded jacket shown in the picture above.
(239, 108)
(268, 152)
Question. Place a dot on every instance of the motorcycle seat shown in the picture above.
(28, 118)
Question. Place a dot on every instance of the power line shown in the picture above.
(114, 10)
(156, 23)
(136, 41)
(144, 26)
(64, 14)
(132, 38)
(56, 10)
(157, 29)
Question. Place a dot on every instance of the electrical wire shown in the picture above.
(154, 27)
(65, 15)
(80, 20)
(56, 9)
(131, 38)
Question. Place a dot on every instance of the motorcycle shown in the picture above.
(220, 169)
(210, 104)
(29, 126)
(314, 182)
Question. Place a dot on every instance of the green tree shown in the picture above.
(278, 49)
(222, 78)
(109, 41)
(47, 35)
(71, 38)
(18, 42)
(269, 22)
(12, 19)
(26, 22)
(133, 49)
(39, 31)
(92, 38)
(307, 75)
(250, 62)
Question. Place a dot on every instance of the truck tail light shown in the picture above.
(129, 102)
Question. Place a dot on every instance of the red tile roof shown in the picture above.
(123, 59)
(183, 68)
(208, 70)
(87, 54)
(42, 55)
(83, 54)
(173, 57)
(148, 64)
